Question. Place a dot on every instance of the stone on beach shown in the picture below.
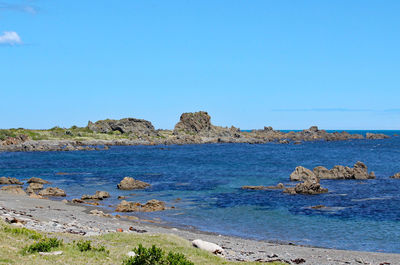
(52, 191)
(17, 190)
(38, 180)
(10, 181)
(208, 246)
(33, 188)
(129, 183)
(100, 213)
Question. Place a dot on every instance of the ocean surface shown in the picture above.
(203, 183)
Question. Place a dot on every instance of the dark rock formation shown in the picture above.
(396, 176)
(10, 181)
(17, 190)
(57, 192)
(124, 126)
(129, 183)
(307, 188)
(38, 180)
(150, 206)
(359, 171)
(99, 195)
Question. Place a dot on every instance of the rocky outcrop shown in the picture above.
(396, 176)
(17, 190)
(359, 171)
(10, 181)
(51, 191)
(99, 195)
(38, 180)
(303, 174)
(277, 187)
(124, 126)
(15, 140)
(306, 188)
(375, 136)
(150, 206)
(129, 183)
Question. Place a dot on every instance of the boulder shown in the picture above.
(38, 180)
(396, 176)
(10, 181)
(150, 206)
(359, 171)
(52, 191)
(307, 188)
(100, 213)
(124, 126)
(303, 174)
(375, 136)
(17, 190)
(129, 183)
(208, 246)
(33, 188)
(99, 195)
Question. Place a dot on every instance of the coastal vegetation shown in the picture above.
(21, 246)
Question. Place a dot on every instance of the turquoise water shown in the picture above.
(361, 215)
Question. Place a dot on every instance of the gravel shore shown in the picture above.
(56, 216)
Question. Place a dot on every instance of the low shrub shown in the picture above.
(23, 231)
(84, 246)
(155, 256)
(44, 245)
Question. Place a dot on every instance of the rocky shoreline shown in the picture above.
(193, 128)
(56, 216)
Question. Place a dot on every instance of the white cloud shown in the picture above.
(10, 37)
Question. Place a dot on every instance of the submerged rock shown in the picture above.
(277, 187)
(10, 181)
(99, 195)
(38, 180)
(53, 191)
(150, 206)
(396, 176)
(129, 183)
(17, 190)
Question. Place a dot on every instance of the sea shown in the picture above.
(203, 184)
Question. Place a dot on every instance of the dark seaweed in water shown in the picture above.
(358, 215)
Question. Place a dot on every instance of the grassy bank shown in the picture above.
(14, 243)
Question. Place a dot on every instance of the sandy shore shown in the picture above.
(55, 216)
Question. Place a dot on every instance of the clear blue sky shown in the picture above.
(287, 64)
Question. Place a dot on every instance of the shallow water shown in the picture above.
(361, 215)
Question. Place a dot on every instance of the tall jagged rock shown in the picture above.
(125, 126)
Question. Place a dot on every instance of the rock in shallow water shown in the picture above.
(129, 183)
(38, 180)
(150, 206)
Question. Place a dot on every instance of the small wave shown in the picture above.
(372, 199)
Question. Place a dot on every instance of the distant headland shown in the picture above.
(192, 128)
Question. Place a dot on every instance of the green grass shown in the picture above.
(116, 246)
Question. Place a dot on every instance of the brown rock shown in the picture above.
(307, 188)
(38, 180)
(10, 181)
(129, 183)
(150, 206)
(322, 172)
(277, 187)
(396, 176)
(17, 190)
(52, 191)
(303, 174)
(98, 196)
